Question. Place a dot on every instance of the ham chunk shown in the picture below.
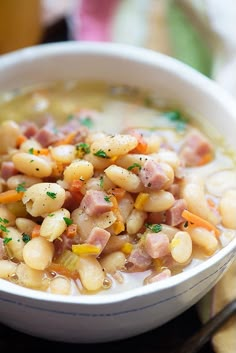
(29, 129)
(174, 214)
(139, 260)
(152, 175)
(45, 136)
(194, 149)
(157, 245)
(98, 237)
(95, 203)
(8, 170)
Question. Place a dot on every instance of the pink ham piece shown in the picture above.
(98, 237)
(45, 136)
(29, 129)
(95, 203)
(195, 147)
(138, 260)
(174, 214)
(160, 276)
(152, 175)
(8, 170)
(157, 245)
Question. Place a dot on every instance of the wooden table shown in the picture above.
(161, 340)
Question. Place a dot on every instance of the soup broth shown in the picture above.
(105, 188)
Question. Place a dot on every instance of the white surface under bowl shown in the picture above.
(101, 318)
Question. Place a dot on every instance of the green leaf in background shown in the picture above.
(187, 44)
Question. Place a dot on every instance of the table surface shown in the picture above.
(164, 339)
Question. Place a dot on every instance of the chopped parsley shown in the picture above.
(31, 150)
(83, 148)
(68, 221)
(50, 214)
(101, 153)
(21, 187)
(87, 121)
(6, 240)
(70, 117)
(4, 220)
(25, 237)
(3, 228)
(177, 118)
(107, 198)
(101, 180)
(135, 165)
(53, 195)
(155, 228)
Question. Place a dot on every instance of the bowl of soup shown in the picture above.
(117, 190)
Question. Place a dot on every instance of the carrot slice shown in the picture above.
(119, 193)
(62, 270)
(20, 139)
(11, 196)
(200, 222)
(36, 231)
(67, 140)
(142, 144)
(71, 230)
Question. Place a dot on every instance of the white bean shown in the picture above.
(204, 239)
(60, 285)
(129, 159)
(43, 198)
(135, 221)
(7, 215)
(113, 262)
(32, 165)
(25, 180)
(78, 169)
(16, 245)
(181, 247)
(38, 253)
(221, 181)
(54, 224)
(9, 131)
(28, 277)
(91, 273)
(157, 201)
(63, 154)
(115, 145)
(126, 205)
(227, 208)
(7, 268)
(124, 178)
(29, 144)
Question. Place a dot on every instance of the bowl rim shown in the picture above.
(145, 56)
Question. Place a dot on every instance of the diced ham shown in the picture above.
(160, 276)
(138, 260)
(46, 136)
(175, 190)
(72, 200)
(8, 170)
(156, 217)
(95, 203)
(98, 237)
(29, 129)
(2, 249)
(195, 147)
(152, 175)
(174, 214)
(157, 245)
(64, 243)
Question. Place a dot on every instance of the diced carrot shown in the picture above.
(62, 270)
(142, 144)
(68, 139)
(20, 139)
(206, 158)
(41, 152)
(211, 203)
(36, 231)
(199, 222)
(127, 248)
(118, 225)
(11, 196)
(76, 185)
(119, 193)
(71, 230)
(57, 170)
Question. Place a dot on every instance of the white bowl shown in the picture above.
(102, 318)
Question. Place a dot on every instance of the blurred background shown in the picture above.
(200, 33)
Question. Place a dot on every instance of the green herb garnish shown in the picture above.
(6, 240)
(21, 187)
(53, 195)
(31, 150)
(101, 180)
(70, 117)
(107, 198)
(4, 220)
(3, 229)
(25, 237)
(177, 118)
(68, 221)
(83, 147)
(101, 153)
(135, 165)
(50, 214)
(155, 228)
(87, 121)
